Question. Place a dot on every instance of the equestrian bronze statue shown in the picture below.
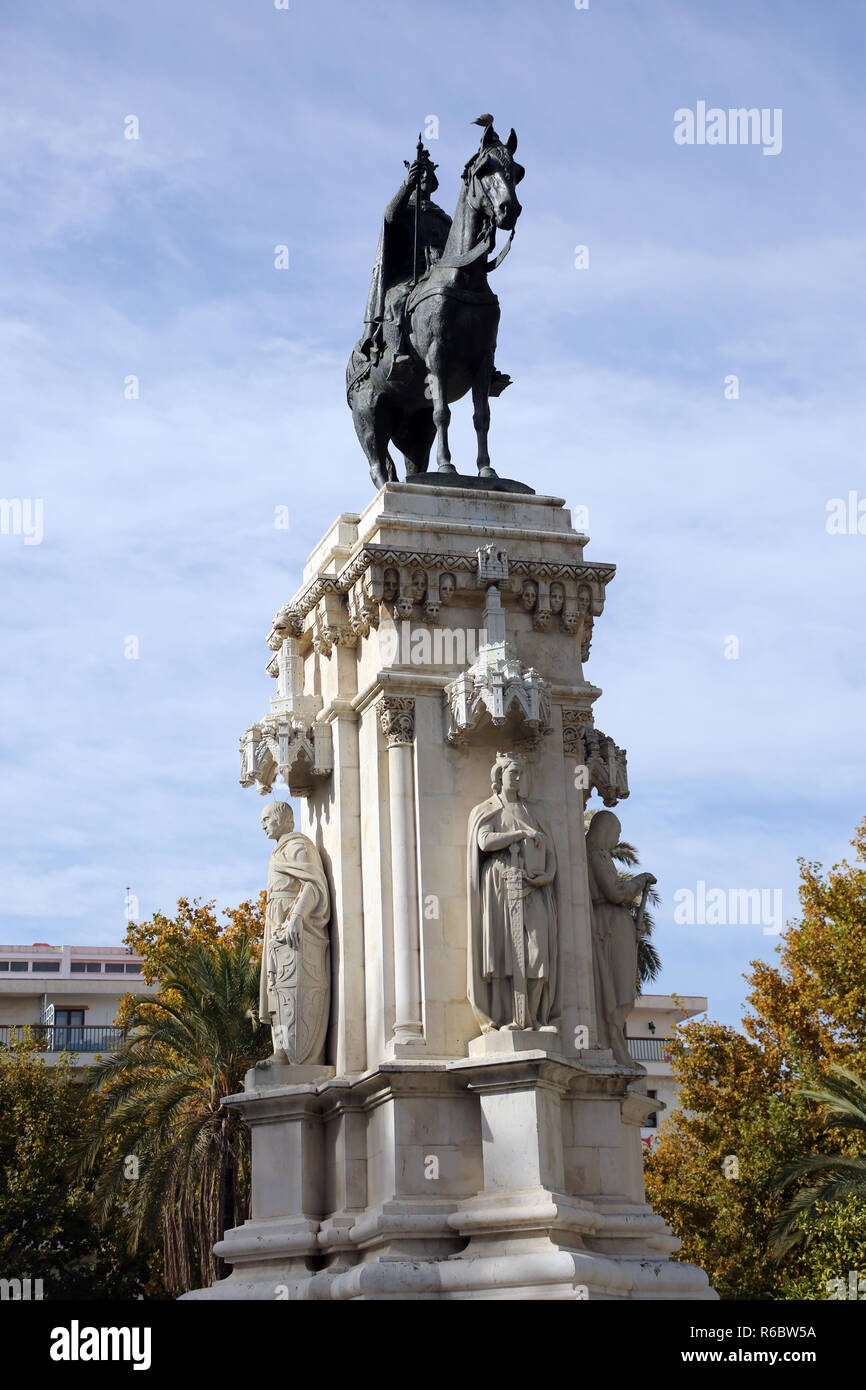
(431, 317)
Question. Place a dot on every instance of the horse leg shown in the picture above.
(481, 416)
(364, 420)
(372, 428)
(437, 379)
(413, 438)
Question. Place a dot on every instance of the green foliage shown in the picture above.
(836, 1236)
(831, 1179)
(159, 1111)
(47, 1227)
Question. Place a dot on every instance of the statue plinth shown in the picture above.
(432, 1162)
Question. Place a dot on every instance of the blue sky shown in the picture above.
(155, 257)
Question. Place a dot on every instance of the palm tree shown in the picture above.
(840, 1176)
(164, 1144)
(648, 959)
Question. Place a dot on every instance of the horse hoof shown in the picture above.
(446, 468)
(487, 472)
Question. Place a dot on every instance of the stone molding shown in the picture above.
(343, 610)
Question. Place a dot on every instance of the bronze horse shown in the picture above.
(451, 321)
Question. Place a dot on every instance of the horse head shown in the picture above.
(491, 177)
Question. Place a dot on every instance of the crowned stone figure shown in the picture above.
(295, 988)
(512, 972)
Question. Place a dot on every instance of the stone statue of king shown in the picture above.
(295, 989)
(513, 974)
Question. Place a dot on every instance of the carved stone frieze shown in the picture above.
(403, 580)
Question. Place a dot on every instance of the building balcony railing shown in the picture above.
(50, 1037)
(648, 1049)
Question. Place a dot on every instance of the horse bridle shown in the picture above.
(488, 241)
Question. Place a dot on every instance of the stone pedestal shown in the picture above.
(428, 1162)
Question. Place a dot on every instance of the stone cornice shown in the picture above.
(293, 614)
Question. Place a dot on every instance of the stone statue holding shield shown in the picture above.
(295, 988)
(513, 973)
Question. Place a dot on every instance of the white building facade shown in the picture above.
(651, 1022)
(68, 995)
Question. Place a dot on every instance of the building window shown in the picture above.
(46, 967)
(652, 1121)
(4, 965)
(69, 1018)
(112, 969)
(134, 969)
(19, 965)
(88, 967)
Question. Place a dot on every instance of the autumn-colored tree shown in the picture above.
(193, 922)
(714, 1171)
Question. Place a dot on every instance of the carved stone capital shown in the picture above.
(397, 719)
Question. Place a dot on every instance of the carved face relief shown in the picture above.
(390, 585)
(529, 595)
(447, 585)
(557, 598)
(584, 599)
(419, 585)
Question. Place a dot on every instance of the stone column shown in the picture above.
(397, 721)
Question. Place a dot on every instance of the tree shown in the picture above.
(159, 1095)
(742, 1118)
(47, 1227)
(840, 1176)
(193, 922)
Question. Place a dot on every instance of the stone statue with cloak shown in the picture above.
(295, 986)
(513, 956)
(615, 933)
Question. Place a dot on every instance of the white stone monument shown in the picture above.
(466, 1135)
